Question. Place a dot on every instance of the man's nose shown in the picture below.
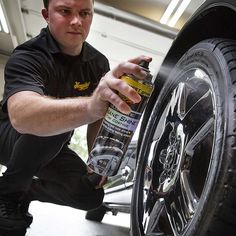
(76, 20)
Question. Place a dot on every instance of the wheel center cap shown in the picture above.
(170, 158)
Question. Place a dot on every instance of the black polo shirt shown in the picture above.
(38, 65)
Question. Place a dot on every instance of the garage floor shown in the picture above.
(54, 220)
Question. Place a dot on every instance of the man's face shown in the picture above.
(69, 22)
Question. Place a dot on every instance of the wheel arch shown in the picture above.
(212, 20)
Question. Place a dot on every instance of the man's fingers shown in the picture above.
(123, 88)
(118, 87)
(131, 67)
(137, 60)
(102, 182)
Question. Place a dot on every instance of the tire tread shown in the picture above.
(224, 222)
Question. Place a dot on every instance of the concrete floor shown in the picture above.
(54, 220)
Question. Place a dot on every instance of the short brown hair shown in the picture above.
(46, 2)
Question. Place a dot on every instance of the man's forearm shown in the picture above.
(45, 116)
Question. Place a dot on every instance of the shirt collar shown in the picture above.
(87, 52)
(53, 46)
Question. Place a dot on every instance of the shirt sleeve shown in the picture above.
(106, 66)
(23, 72)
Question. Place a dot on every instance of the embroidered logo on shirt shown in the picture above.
(81, 86)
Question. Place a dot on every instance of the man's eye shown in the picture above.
(65, 11)
(85, 14)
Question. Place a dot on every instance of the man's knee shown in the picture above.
(43, 149)
(44, 142)
(88, 200)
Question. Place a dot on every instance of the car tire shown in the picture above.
(96, 214)
(185, 181)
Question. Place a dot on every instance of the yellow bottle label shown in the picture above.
(142, 89)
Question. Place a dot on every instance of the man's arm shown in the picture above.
(33, 113)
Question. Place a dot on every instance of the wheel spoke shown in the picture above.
(176, 216)
(189, 197)
(181, 204)
(180, 208)
(185, 102)
(151, 219)
(152, 206)
(182, 99)
(197, 106)
(206, 129)
(162, 124)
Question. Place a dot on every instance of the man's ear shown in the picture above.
(45, 14)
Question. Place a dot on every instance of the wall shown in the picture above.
(120, 41)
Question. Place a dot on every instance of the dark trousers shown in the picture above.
(44, 169)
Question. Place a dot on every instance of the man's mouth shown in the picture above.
(75, 33)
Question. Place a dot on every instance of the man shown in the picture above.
(53, 84)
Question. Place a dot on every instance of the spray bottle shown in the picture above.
(117, 129)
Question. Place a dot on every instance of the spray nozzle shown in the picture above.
(144, 64)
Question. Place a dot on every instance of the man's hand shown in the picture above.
(110, 85)
(99, 180)
(102, 182)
